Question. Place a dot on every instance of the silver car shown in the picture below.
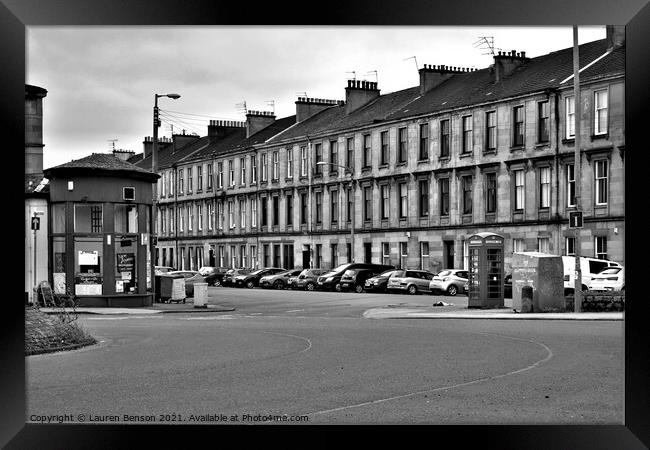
(410, 281)
(451, 281)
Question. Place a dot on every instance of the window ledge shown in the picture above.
(444, 158)
(289, 180)
(515, 148)
(366, 169)
(542, 145)
(466, 155)
(570, 141)
(596, 137)
(423, 160)
(400, 164)
(490, 152)
(383, 166)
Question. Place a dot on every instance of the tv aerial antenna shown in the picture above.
(271, 103)
(415, 59)
(354, 74)
(112, 143)
(241, 107)
(376, 75)
(485, 43)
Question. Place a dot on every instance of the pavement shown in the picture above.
(443, 312)
(156, 308)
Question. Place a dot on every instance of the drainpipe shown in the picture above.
(176, 212)
(309, 209)
(556, 100)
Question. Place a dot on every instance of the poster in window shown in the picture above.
(126, 269)
(59, 282)
(88, 258)
(59, 262)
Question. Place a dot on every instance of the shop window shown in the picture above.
(126, 218)
(58, 217)
(88, 218)
(58, 265)
(126, 252)
(88, 256)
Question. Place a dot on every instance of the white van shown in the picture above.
(589, 267)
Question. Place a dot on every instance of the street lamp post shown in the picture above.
(352, 211)
(154, 169)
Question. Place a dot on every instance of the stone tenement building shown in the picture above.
(466, 151)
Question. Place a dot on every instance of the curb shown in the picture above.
(411, 314)
(60, 349)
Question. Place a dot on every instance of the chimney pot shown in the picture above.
(523, 54)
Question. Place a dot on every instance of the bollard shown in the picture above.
(200, 295)
(527, 299)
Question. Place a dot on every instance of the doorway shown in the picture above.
(448, 258)
(306, 257)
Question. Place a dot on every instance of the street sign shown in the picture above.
(575, 219)
(36, 223)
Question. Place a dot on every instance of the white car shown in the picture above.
(610, 279)
(451, 281)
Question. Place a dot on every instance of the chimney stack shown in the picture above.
(432, 76)
(615, 36)
(307, 107)
(359, 93)
(147, 145)
(123, 154)
(217, 129)
(181, 140)
(506, 63)
(34, 129)
(257, 120)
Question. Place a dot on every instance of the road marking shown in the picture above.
(295, 310)
(224, 317)
(123, 318)
(294, 336)
(548, 356)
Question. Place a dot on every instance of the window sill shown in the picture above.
(423, 160)
(515, 148)
(444, 158)
(542, 145)
(383, 166)
(570, 141)
(466, 155)
(366, 169)
(400, 164)
(288, 180)
(318, 175)
(333, 173)
(492, 151)
(596, 137)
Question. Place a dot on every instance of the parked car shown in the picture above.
(379, 282)
(410, 281)
(306, 280)
(507, 286)
(589, 268)
(191, 277)
(355, 279)
(332, 280)
(252, 279)
(278, 280)
(229, 276)
(214, 275)
(163, 269)
(610, 279)
(451, 281)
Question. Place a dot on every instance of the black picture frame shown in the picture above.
(15, 15)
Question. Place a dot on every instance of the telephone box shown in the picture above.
(485, 271)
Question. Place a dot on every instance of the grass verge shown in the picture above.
(52, 333)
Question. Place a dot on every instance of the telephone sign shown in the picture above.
(36, 223)
(575, 219)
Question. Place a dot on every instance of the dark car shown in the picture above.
(229, 277)
(355, 279)
(332, 280)
(278, 280)
(379, 282)
(214, 275)
(306, 280)
(252, 279)
(507, 286)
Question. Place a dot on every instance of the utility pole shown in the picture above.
(577, 110)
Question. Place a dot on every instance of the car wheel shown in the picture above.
(337, 287)
(452, 290)
(216, 283)
(309, 286)
(585, 288)
(358, 289)
(278, 284)
(250, 285)
(412, 289)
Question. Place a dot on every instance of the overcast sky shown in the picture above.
(101, 81)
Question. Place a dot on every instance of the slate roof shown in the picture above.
(466, 89)
(100, 163)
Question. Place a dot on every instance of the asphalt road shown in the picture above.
(311, 354)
